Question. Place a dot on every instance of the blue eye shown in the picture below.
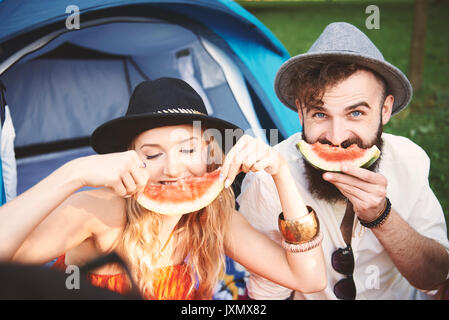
(356, 113)
(319, 115)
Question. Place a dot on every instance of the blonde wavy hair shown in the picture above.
(198, 236)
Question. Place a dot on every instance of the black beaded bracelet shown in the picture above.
(379, 221)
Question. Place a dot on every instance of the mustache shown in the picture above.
(345, 144)
(324, 190)
(355, 139)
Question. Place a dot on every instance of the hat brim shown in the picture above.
(399, 85)
(116, 135)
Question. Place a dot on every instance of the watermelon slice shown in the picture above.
(183, 196)
(331, 158)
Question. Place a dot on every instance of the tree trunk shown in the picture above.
(418, 43)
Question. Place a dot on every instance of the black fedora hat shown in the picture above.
(153, 104)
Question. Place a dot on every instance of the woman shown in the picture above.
(170, 256)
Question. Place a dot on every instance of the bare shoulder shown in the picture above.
(106, 209)
(107, 219)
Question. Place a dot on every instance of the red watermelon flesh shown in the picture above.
(184, 196)
(333, 153)
(331, 158)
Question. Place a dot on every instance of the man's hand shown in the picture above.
(366, 190)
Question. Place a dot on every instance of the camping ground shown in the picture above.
(426, 120)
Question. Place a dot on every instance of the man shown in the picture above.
(345, 92)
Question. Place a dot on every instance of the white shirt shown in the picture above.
(406, 167)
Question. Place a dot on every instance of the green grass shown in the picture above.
(426, 121)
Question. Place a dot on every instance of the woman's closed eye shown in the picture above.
(188, 150)
(153, 156)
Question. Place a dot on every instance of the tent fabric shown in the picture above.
(2, 187)
(97, 88)
(237, 85)
(56, 112)
(8, 158)
(246, 37)
(185, 67)
(27, 175)
(8, 179)
(20, 16)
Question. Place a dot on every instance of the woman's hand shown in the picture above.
(123, 172)
(250, 154)
(23, 216)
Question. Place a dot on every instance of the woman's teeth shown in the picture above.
(168, 182)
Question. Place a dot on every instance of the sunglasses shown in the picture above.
(343, 262)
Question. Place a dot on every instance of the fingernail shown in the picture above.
(227, 183)
(221, 177)
(327, 176)
(344, 168)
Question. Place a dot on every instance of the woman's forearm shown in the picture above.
(20, 216)
(292, 203)
(307, 267)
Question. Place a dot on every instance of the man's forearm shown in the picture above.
(422, 261)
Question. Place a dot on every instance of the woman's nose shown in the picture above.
(173, 166)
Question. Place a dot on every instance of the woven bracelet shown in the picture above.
(303, 247)
(379, 221)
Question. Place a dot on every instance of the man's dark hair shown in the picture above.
(313, 78)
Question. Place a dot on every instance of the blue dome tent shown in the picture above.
(61, 83)
(75, 79)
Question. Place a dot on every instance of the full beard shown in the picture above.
(325, 190)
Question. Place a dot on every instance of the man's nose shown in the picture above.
(337, 132)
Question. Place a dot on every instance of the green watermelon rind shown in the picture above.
(371, 156)
(184, 207)
(373, 159)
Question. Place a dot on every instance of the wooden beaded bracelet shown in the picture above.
(380, 220)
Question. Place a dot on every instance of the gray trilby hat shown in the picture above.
(343, 42)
